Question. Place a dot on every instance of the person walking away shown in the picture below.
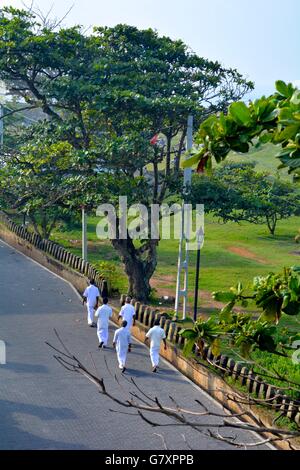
(120, 343)
(103, 314)
(156, 335)
(91, 297)
(127, 313)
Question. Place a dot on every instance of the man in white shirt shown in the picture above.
(156, 334)
(91, 297)
(103, 314)
(120, 342)
(127, 313)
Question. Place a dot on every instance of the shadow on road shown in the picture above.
(18, 439)
(19, 367)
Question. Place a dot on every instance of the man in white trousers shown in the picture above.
(103, 314)
(156, 335)
(120, 342)
(91, 297)
(127, 313)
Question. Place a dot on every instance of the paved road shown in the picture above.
(42, 406)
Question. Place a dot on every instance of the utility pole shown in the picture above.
(84, 234)
(1, 125)
(183, 253)
(200, 240)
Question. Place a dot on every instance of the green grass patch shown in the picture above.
(221, 265)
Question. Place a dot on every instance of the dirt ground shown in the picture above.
(244, 253)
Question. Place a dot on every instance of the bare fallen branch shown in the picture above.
(142, 404)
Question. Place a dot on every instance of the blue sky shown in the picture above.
(261, 38)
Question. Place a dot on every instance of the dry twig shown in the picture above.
(142, 403)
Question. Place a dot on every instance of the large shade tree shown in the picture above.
(43, 182)
(106, 95)
(236, 192)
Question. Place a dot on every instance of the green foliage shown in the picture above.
(105, 95)
(274, 294)
(40, 181)
(281, 367)
(247, 334)
(203, 331)
(108, 270)
(284, 422)
(277, 294)
(273, 119)
(255, 334)
(236, 192)
(240, 330)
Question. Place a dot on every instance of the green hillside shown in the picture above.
(265, 160)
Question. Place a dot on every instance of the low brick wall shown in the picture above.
(53, 256)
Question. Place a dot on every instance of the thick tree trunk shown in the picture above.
(45, 227)
(139, 285)
(35, 225)
(140, 264)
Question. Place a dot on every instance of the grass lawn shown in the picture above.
(231, 253)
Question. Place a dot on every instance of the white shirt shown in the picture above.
(122, 338)
(91, 293)
(156, 335)
(127, 312)
(103, 313)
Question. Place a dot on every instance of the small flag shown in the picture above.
(154, 139)
(202, 165)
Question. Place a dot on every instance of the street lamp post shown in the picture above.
(1, 126)
(84, 233)
(183, 253)
(200, 240)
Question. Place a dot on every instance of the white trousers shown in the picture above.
(122, 354)
(90, 314)
(103, 335)
(129, 331)
(154, 356)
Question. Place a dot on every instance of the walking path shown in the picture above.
(43, 406)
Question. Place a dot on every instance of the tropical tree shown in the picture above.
(236, 192)
(239, 331)
(107, 95)
(40, 182)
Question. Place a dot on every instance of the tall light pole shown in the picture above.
(84, 233)
(1, 125)
(183, 253)
(200, 241)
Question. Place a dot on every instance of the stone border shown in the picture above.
(51, 255)
(206, 379)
